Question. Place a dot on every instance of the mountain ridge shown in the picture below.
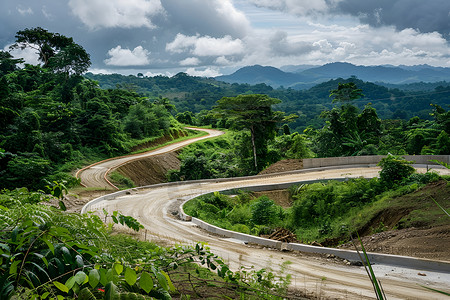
(306, 76)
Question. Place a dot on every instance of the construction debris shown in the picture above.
(283, 235)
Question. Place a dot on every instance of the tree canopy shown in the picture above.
(57, 52)
(253, 112)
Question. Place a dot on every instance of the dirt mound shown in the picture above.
(431, 243)
(151, 170)
(283, 166)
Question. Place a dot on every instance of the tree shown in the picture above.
(8, 63)
(56, 51)
(346, 92)
(394, 169)
(253, 112)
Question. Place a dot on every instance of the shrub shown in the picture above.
(264, 211)
(394, 169)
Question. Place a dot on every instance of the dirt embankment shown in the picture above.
(423, 238)
(151, 170)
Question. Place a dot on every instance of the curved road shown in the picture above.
(150, 206)
(95, 175)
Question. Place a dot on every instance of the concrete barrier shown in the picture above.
(375, 258)
(308, 164)
(247, 238)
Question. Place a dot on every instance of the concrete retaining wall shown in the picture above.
(309, 163)
(318, 163)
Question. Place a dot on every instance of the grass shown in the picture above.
(121, 181)
(180, 139)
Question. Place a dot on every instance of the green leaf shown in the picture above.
(171, 286)
(130, 276)
(146, 282)
(13, 268)
(45, 295)
(70, 282)
(80, 277)
(79, 261)
(94, 278)
(103, 276)
(110, 291)
(66, 254)
(162, 281)
(49, 245)
(61, 287)
(62, 206)
(118, 267)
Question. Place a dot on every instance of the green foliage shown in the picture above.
(264, 211)
(253, 113)
(46, 253)
(394, 169)
(346, 92)
(52, 118)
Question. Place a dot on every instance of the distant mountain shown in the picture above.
(260, 74)
(303, 77)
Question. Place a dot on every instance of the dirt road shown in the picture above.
(151, 208)
(321, 276)
(95, 175)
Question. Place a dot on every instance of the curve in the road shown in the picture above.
(95, 175)
(150, 206)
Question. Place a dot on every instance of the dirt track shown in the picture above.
(95, 174)
(311, 273)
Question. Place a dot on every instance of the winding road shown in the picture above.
(151, 206)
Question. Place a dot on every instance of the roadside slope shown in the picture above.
(95, 175)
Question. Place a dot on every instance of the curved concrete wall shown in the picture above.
(369, 160)
(318, 163)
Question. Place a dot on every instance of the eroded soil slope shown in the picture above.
(151, 170)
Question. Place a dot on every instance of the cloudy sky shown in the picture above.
(213, 37)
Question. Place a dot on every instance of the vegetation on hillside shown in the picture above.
(52, 118)
(327, 211)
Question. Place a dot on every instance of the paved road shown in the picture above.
(150, 206)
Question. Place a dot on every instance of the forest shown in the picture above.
(55, 118)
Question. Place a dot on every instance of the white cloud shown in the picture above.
(126, 57)
(208, 72)
(294, 6)
(190, 61)
(30, 56)
(25, 11)
(153, 74)
(116, 13)
(222, 61)
(206, 45)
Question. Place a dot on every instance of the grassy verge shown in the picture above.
(193, 134)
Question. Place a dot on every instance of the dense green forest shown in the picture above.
(54, 119)
(198, 95)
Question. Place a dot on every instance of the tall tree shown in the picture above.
(56, 51)
(253, 112)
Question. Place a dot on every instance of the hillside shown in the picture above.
(195, 94)
(304, 77)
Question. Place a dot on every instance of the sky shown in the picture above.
(215, 37)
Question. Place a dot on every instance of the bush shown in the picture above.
(394, 169)
(264, 211)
